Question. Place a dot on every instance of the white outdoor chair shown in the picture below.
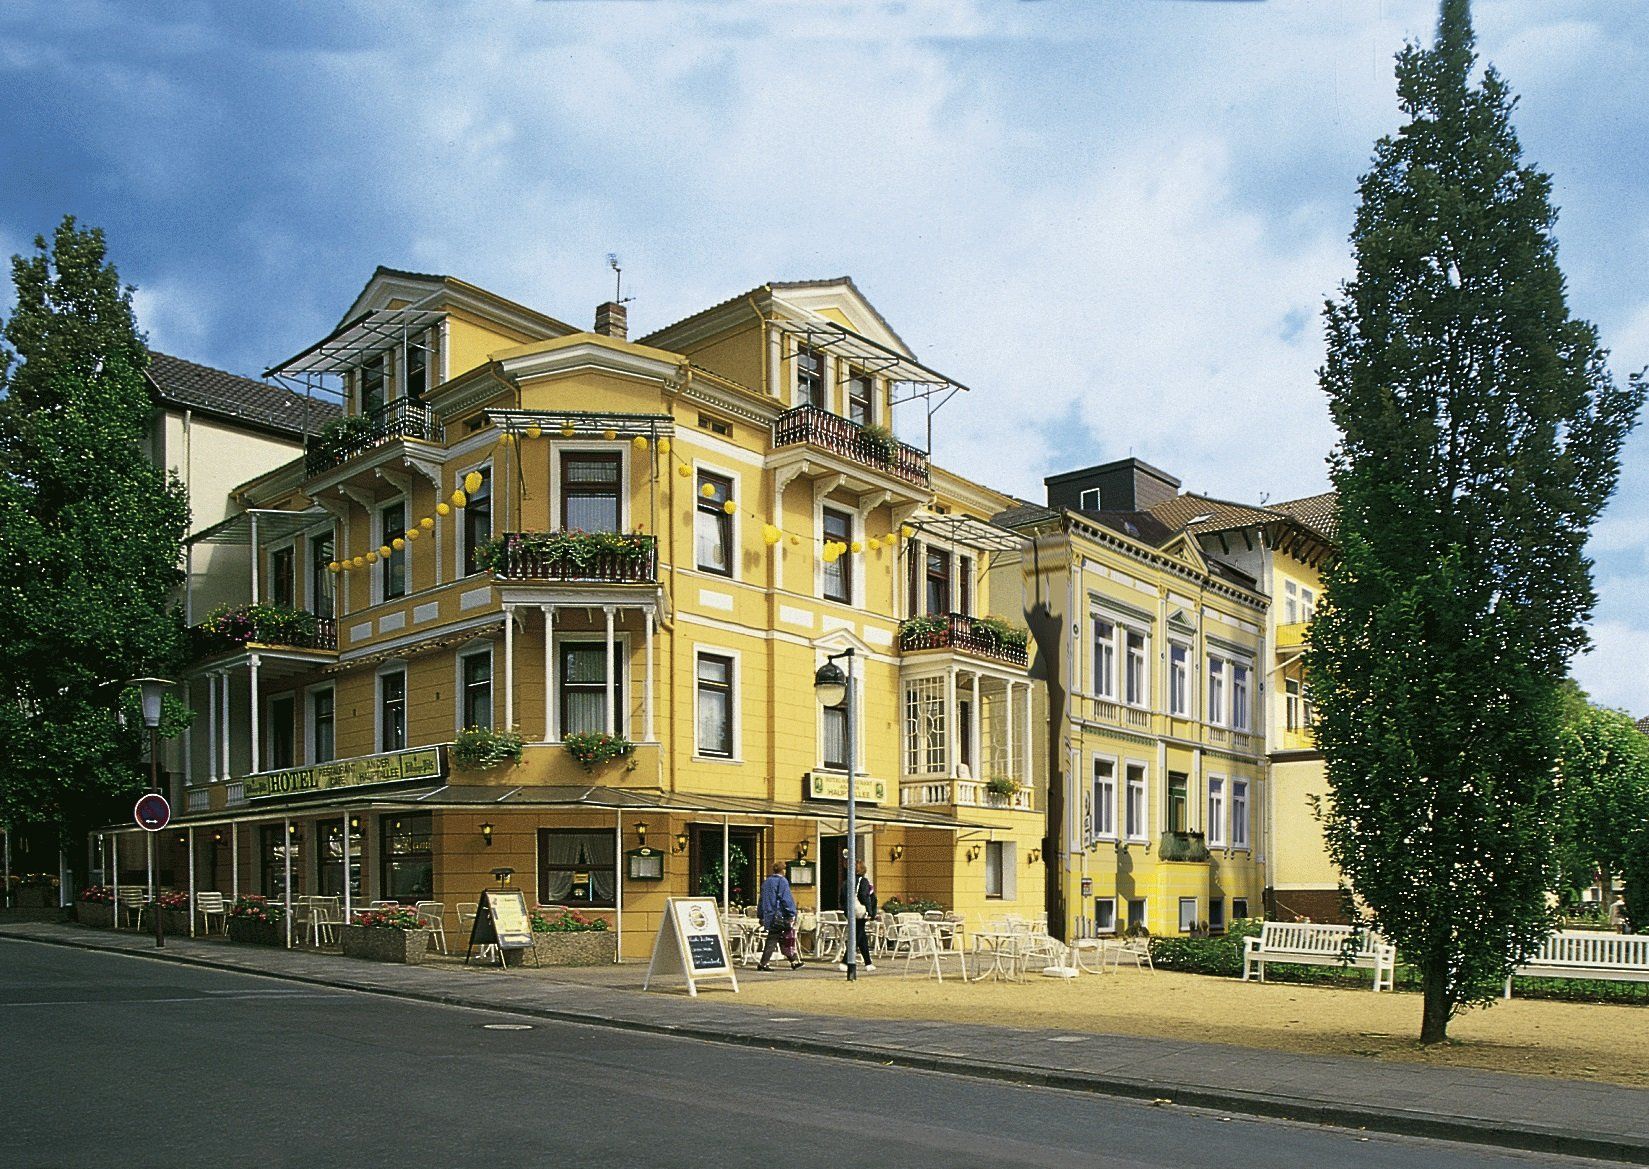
(1136, 948)
(433, 914)
(832, 933)
(924, 943)
(210, 905)
(132, 900)
(323, 922)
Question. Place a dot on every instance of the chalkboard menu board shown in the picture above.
(690, 943)
(501, 923)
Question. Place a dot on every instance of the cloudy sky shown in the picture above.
(1117, 220)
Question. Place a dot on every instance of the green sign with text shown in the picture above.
(419, 763)
(822, 785)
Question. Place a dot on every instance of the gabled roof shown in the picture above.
(782, 286)
(853, 288)
(1198, 514)
(1316, 512)
(1643, 724)
(236, 398)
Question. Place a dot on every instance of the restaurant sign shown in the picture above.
(419, 763)
(823, 785)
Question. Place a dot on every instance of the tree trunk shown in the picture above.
(1434, 1023)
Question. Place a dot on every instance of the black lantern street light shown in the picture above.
(151, 691)
(834, 688)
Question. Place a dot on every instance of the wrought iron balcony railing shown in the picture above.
(591, 557)
(838, 435)
(359, 433)
(985, 637)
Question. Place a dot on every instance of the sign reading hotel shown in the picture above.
(419, 763)
(822, 785)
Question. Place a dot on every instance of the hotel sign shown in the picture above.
(419, 763)
(823, 785)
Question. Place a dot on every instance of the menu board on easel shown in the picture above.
(690, 943)
(501, 922)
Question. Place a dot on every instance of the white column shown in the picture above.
(234, 859)
(286, 861)
(726, 877)
(212, 728)
(509, 666)
(191, 881)
(150, 838)
(223, 727)
(612, 671)
(188, 582)
(549, 671)
(950, 726)
(1030, 770)
(254, 557)
(648, 708)
(348, 861)
(111, 860)
(974, 735)
(252, 675)
(1007, 727)
(775, 367)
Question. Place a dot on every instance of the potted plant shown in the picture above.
(387, 935)
(567, 937)
(257, 920)
(481, 749)
(96, 906)
(878, 440)
(174, 907)
(1001, 788)
(592, 748)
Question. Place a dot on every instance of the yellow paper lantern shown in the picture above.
(873, 544)
(707, 490)
(426, 523)
(442, 509)
(794, 540)
(458, 499)
(664, 446)
(831, 556)
(857, 546)
(383, 551)
(729, 507)
(906, 531)
(334, 566)
(639, 442)
(684, 470)
(770, 535)
(534, 430)
(472, 482)
(413, 533)
(358, 561)
(398, 543)
(372, 558)
(609, 434)
(567, 430)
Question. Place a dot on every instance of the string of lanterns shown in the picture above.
(772, 534)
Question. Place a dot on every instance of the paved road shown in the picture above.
(252, 1071)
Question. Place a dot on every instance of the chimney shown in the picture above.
(611, 320)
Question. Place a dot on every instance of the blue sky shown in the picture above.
(1115, 219)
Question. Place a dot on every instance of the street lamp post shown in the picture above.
(152, 690)
(834, 688)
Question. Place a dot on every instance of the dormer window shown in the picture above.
(1090, 499)
(860, 408)
(810, 384)
(372, 384)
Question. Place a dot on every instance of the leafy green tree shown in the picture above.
(90, 533)
(1603, 793)
(1480, 437)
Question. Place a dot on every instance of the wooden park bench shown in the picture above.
(1588, 954)
(1309, 944)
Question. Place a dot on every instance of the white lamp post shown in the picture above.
(151, 691)
(836, 689)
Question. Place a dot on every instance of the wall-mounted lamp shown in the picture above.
(641, 833)
(1033, 856)
(291, 829)
(486, 833)
(973, 854)
(217, 836)
(354, 823)
(502, 876)
(681, 842)
(805, 846)
(183, 838)
(898, 851)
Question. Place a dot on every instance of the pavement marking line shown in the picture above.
(1068, 1038)
(506, 1026)
(141, 1002)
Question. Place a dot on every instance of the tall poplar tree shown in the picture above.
(1480, 437)
(90, 532)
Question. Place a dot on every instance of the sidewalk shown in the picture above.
(1542, 1115)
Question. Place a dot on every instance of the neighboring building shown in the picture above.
(597, 541)
(1282, 546)
(1153, 650)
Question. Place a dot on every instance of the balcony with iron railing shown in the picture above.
(868, 446)
(234, 627)
(574, 557)
(985, 637)
(355, 435)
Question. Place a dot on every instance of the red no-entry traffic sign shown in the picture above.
(152, 812)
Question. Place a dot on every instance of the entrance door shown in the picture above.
(744, 852)
(831, 867)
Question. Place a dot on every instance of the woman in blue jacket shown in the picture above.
(776, 909)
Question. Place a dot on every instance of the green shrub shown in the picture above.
(481, 749)
(920, 905)
(1220, 955)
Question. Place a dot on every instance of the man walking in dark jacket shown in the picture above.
(776, 908)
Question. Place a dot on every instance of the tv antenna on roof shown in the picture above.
(618, 280)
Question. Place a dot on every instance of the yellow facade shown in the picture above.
(713, 618)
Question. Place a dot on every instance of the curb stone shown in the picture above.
(1299, 1109)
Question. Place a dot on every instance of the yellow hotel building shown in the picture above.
(637, 550)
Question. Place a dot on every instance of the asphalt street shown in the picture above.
(113, 1060)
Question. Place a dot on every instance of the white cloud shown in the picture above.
(1613, 672)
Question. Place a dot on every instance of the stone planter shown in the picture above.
(93, 914)
(176, 922)
(257, 933)
(579, 948)
(384, 945)
(33, 897)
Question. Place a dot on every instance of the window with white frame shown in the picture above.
(1179, 680)
(1239, 696)
(323, 746)
(1136, 682)
(1105, 798)
(1291, 704)
(1215, 711)
(1239, 908)
(1308, 604)
(1291, 603)
(392, 710)
(1135, 821)
(1216, 810)
(477, 525)
(392, 523)
(475, 674)
(860, 402)
(837, 526)
(833, 734)
(1105, 658)
(1187, 914)
(713, 526)
(581, 668)
(1001, 881)
(715, 705)
(1105, 915)
(590, 491)
(925, 726)
(1239, 813)
(1136, 913)
(810, 382)
(1216, 915)
(938, 580)
(322, 591)
(1089, 500)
